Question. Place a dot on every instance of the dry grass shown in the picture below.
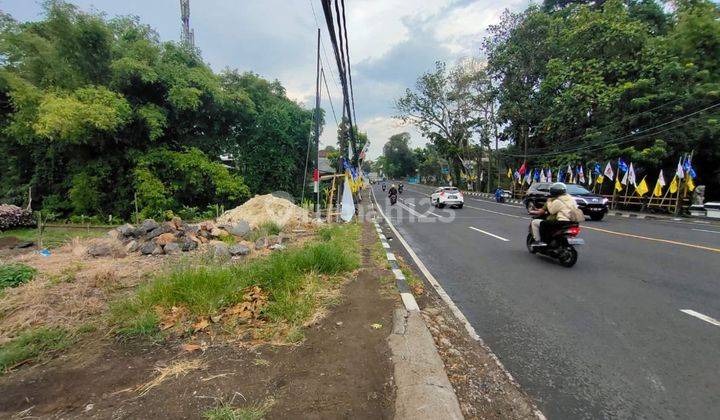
(177, 369)
(69, 289)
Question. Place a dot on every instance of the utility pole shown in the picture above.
(188, 35)
(316, 175)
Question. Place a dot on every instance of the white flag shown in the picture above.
(630, 175)
(609, 171)
(542, 176)
(661, 179)
(680, 173)
(347, 207)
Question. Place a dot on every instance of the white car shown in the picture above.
(447, 196)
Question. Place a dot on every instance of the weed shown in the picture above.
(290, 277)
(34, 344)
(15, 274)
(55, 236)
(228, 412)
(265, 229)
(229, 239)
(296, 335)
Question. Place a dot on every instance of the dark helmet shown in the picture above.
(557, 189)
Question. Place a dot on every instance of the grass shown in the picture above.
(33, 344)
(228, 412)
(15, 274)
(54, 237)
(265, 229)
(290, 277)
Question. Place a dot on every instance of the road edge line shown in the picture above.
(448, 301)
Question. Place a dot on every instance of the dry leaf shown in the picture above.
(201, 324)
(188, 347)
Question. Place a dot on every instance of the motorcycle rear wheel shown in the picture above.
(528, 242)
(568, 257)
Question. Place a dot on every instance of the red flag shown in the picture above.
(316, 175)
(522, 169)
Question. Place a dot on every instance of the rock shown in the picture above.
(127, 230)
(274, 240)
(218, 233)
(155, 233)
(191, 229)
(148, 248)
(240, 249)
(433, 311)
(147, 225)
(239, 228)
(158, 250)
(100, 250)
(445, 342)
(169, 227)
(277, 247)
(208, 226)
(219, 250)
(261, 243)
(114, 234)
(24, 244)
(172, 248)
(189, 245)
(132, 246)
(164, 239)
(177, 223)
(454, 352)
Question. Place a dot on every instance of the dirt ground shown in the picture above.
(341, 370)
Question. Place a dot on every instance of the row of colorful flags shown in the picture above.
(576, 174)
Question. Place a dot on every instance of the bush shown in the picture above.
(13, 216)
(12, 275)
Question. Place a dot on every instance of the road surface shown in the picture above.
(604, 339)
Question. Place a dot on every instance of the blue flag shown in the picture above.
(687, 166)
(598, 169)
(622, 165)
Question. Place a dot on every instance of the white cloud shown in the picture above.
(379, 130)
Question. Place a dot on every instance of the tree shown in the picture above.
(399, 159)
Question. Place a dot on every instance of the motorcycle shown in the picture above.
(561, 240)
(400, 188)
(393, 199)
(383, 187)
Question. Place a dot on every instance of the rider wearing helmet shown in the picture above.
(557, 208)
(392, 190)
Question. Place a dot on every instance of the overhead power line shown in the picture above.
(322, 74)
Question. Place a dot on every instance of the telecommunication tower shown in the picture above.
(188, 35)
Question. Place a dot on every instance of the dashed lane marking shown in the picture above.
(705, 230)
(489, 234)
(701, 316)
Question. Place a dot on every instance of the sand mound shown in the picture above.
(266, 208)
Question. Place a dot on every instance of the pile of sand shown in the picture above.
(266, 208)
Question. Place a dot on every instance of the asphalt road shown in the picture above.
(603, 339)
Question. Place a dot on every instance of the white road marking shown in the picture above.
(434, 214)
(391, 256)
(498, 212)
(701, 316)
(398, 274)
(490, 234)
(409, 302)
(413, 212)
(409, 204)
(705, 230)
(449, 302)
(386, 245)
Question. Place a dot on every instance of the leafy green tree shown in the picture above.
(399, 159)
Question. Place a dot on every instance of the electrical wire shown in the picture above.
(349, 69)
(322, 74)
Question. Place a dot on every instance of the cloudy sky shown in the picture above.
(392, 42)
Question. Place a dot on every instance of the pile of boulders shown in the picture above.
(175, 237)
(14, 216)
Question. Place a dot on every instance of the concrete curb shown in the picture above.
(423, 388)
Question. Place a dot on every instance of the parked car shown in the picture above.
(591, 204)
(447, 196)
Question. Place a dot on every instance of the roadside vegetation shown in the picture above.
(33, 344)
(53, 237)
(285, 288)
(15, 274)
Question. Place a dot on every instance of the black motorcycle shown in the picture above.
(400, 188)
(393, 199)
(383, 187)
(561, 239)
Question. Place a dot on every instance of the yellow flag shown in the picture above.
(642, 188)
(674, 185)
(657, 192)
(618, 185)
(509, 174)
(690, 183)
(600, 179)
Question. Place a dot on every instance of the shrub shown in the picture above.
(12, 275)
(13, 216)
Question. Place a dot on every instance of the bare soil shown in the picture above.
(341, 370)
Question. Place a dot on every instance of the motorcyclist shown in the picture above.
(400, 188)
(556, 209)
(383, 186)
(393, 190)
(499, 198)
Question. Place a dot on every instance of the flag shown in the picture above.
(509, 173)
(600, 179)
(631, 175)
(590, 180)
(522, 169)
(625, 177)
(642, 188)
(609, 171)
(347, 206)
(549, 175)
(687, 166)
(581, 174)
(597, 169)
(622, 166)
(680, 173)
(517, 176)
(536, 175)
(528, 178)
(618, 184)
(657, 192)
(690, 184)
(674, 185)
(543, 178)
(560, 176)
